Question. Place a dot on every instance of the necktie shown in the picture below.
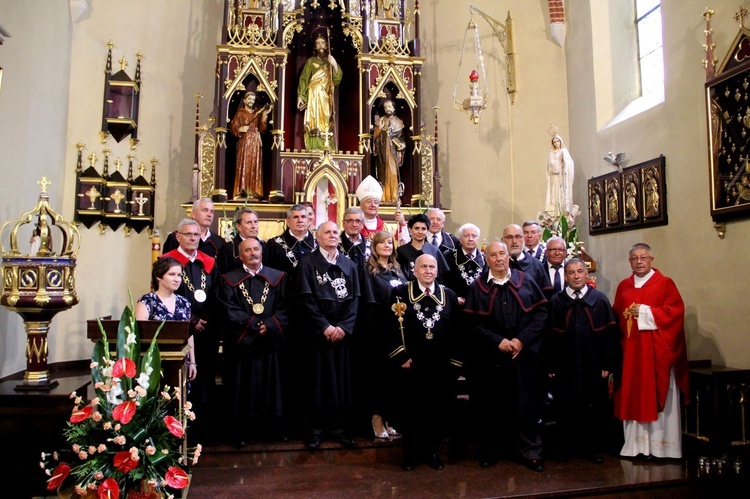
(577, 295)
(530, 253)
(558, 280)
(427, 292)
(434, 239)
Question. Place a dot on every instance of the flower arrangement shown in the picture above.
(563, 226)
(130, 438)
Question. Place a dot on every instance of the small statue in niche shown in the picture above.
(388, 147)
(247, 125)
(315, 95)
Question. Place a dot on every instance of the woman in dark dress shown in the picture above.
(164, 304)
(378, 277)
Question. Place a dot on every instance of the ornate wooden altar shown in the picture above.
(264, 47)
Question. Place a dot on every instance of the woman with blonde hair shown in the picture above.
(380, 274)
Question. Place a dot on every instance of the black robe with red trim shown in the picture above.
(252, 369)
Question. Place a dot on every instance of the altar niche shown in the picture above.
(265, 48)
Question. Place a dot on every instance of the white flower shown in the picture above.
(142, 380)
(114, 395)
(130, 340)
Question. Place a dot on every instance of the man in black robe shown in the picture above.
(285, 251)
(583, 350)
(407, 254)
(465, 263)
(246, 223)
(353, 244)
(421, 338)
(253, 299)
(513, 238)
(507, 312)
(199, 278)
(203, 214)
(327, 296)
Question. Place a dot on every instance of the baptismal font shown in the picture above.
(39, 283)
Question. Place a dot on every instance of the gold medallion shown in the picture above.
(429, 335)
(258, 308)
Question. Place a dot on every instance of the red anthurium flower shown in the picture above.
(108, 489)
(174, 426)
(124, 412)
(177, 478)
(124, 463)
(124, 366)
(58, 476)
(81, 414)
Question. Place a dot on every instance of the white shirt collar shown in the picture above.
(638, 282)
(439, 237)
(191, 258)
(492, 278)
(422, 288)
(354, 241)
(327, 255)
(251, 272)
(208, 234)
(571, 292)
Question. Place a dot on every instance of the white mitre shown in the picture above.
(369, 187)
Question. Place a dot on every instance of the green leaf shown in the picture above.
(563, 227)
(152, 360)
(546, 234)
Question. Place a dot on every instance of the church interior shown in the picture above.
(481, 89)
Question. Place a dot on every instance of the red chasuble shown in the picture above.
(648, 356)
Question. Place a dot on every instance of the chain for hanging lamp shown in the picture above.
(477, 100)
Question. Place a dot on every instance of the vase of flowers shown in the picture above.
(129, 441)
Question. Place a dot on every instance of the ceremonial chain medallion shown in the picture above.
(338, 284)
(468, 275)
(199, 294)
(289, 253)
(427, 322)
(258, 308)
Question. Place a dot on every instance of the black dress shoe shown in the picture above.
(434, 462)
(487, 461)
(596, 458)
(239, 443)
(312, 443)
(409, 464)
(533, 464)
(347, 441)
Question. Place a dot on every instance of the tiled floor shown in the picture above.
(288, 471)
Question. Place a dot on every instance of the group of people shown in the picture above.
(364, 328)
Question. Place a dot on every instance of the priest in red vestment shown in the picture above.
(654, 368)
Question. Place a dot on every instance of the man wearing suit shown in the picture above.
(556, 251)
(442, 240)
(532, 234)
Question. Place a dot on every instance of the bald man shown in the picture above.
(327, 298)
(421, 347)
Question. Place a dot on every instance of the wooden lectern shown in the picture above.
(172, 342)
